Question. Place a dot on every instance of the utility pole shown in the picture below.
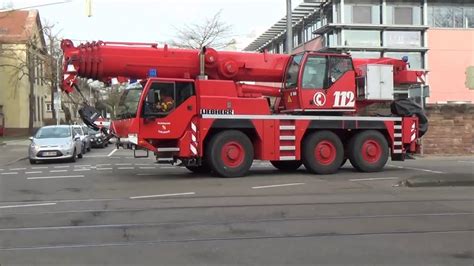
(289, 27)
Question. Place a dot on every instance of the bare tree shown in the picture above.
(211, 32)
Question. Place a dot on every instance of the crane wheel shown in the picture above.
(323, 152)
(286, 165)
(230, 153)
(368, 151)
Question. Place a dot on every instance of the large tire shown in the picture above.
(323, 152)
(368, 151)
(286, 165)
(230, 153)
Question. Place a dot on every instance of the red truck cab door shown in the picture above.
(166, 108)
(319, 82)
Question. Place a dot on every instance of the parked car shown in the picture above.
(86, 140)
(97, 139)
(55, 142)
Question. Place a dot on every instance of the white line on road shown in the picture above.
(16, 169)
(82, 165)
(123, 164)
(10, 173)
(1, 169)
(62, 166)
(147, 167)
(34, 172)
(374, 179)
(83, 169)
(142, 164)
(28, 205)
(103, 164)
(54, 177)
(126, 168)
(168, 167)
(103, 169)
(458, 162)
(58, 171)
(417, 169)
(163, 195)
(112, 152)
(39, 167)
(280, 185)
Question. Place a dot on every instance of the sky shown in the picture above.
(154, 20)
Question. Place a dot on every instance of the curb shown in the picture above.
(17, 160)
(440, 180)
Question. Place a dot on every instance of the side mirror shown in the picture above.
(77, 137)
(30, 138)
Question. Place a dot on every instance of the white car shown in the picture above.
(55, 142)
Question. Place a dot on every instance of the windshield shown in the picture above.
(128, 104)
(53, 132)
(292, 72)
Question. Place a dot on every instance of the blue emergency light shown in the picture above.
(152, 73)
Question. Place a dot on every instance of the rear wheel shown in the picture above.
(368, 151)
(323, 152)
(286, 165)
(230, 153)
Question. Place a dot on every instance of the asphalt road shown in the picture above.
(109, 208)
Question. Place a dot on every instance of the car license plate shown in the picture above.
(49, 153)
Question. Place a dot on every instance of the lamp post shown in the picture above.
(289, 27)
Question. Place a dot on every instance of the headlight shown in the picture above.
(35, 146)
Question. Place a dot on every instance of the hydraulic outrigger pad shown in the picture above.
(89, 115)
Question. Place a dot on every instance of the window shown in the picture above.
(362, 14)
(414, 59)
(403, 15)
(315, 72)
(458, 14)
(49, 107)
(338, 66)
(129, 100)
(402, 38)
(291, 76)
(362, 38)
(164, 97)
(358, 54)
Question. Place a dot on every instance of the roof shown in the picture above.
(302, 11)
(17, 26)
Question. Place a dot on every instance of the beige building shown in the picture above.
(24, 92)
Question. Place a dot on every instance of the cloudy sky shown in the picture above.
(154, 20)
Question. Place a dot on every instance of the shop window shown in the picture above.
(362, 14)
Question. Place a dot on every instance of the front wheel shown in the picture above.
(230, 153)
(286, 165)
(323, 152)
(368, 151)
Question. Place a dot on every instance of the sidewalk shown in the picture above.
(13, 150)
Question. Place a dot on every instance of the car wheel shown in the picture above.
(323, 152)
(73, 158)
(368, 151)
(89, 148)
(32, 161)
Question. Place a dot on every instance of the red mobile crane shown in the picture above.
(215, 119)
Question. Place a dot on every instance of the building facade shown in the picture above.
(436, 35)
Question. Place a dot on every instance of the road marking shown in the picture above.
(58, 171)
(54, 177)
(103, 164)
(142, 164)
(126, 168)
(82, 165)
(16, 169)
(112, 152)
(417, 169)
(168, 167)
(63, 166)
(280, 185)
(163, 195)
(374, 179)
(28, 205)
(39, 167)
(84, 169)
(10, 173)
(103, 169)
(34, 172)
(458, 162)
(123, 164)
(147, 167)
(147, 174)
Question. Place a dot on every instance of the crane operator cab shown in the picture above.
(319, 82)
